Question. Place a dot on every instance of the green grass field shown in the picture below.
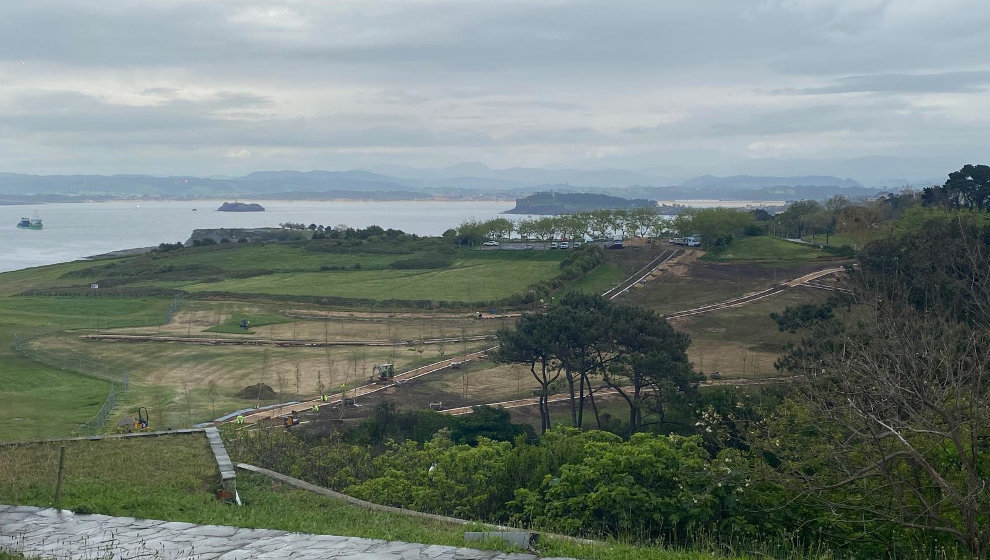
(41, 401)
(599, 280)
(769, 250)
(467, 281)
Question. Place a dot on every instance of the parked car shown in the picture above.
(490, 243)
(564, 245)
(529, 245)
(614, 245)
(577, 244)
(553, 244)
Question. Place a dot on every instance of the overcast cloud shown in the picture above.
(229, 87)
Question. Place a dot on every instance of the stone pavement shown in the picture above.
(61, 534)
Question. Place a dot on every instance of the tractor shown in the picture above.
(386, 373)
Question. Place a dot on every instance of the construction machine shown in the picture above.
(386, 372)
(141, 423)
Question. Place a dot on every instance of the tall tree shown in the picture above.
(651, 370)
(967, 188)
(533, 342)
(798, 216)
(600, 223)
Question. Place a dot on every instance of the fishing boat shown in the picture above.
(30, 223)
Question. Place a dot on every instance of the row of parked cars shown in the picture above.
(560, 244)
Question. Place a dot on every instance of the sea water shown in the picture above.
(77, 230)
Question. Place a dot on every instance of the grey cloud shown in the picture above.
(67, 117)
(505, 80)
(941, 82)
(67, 111)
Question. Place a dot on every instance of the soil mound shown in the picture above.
(257, 391)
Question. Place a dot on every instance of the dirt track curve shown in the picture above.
(619, 289)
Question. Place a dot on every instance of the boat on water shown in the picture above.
(30, 223)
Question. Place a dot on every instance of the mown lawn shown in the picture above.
(56, 312)
(42, 276)
(467, 281)
(765, 249)
(273, 257)
(599, 280)
(41, 401)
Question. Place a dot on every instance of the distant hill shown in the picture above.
(549, 203)
(468, 181)
(361, 185)
(757, 182)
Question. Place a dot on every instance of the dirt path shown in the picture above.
(755, 296)
(373, 387)
(641, 275)
(277, 342)
(367, 389)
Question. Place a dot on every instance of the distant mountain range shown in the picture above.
(464, 181)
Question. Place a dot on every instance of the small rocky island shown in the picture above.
(240, 207)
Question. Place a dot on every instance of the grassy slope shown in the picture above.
(599, 280)
(468, 281)
(40, 401)
(173, 478)
(743, 341)
(769, 250)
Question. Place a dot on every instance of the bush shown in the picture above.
(843, 251)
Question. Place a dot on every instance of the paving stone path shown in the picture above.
(61, 534)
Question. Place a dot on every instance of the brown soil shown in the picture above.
(681, 265)
(256, 391)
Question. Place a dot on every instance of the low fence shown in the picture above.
(96, 424)
(71, 362)
(118, 378)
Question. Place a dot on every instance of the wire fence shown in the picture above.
(96, 424)
(72, 362)
(117, 377)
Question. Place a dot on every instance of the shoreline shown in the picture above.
(42, 199)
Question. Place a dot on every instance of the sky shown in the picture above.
(678, 87)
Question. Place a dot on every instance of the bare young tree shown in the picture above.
(214, 393)
(298, 379)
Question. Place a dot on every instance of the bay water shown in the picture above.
(77, 230)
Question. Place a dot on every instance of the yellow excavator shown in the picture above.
(141, 423)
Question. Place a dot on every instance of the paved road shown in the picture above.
(52, 533)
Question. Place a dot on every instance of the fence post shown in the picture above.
(61, 469)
